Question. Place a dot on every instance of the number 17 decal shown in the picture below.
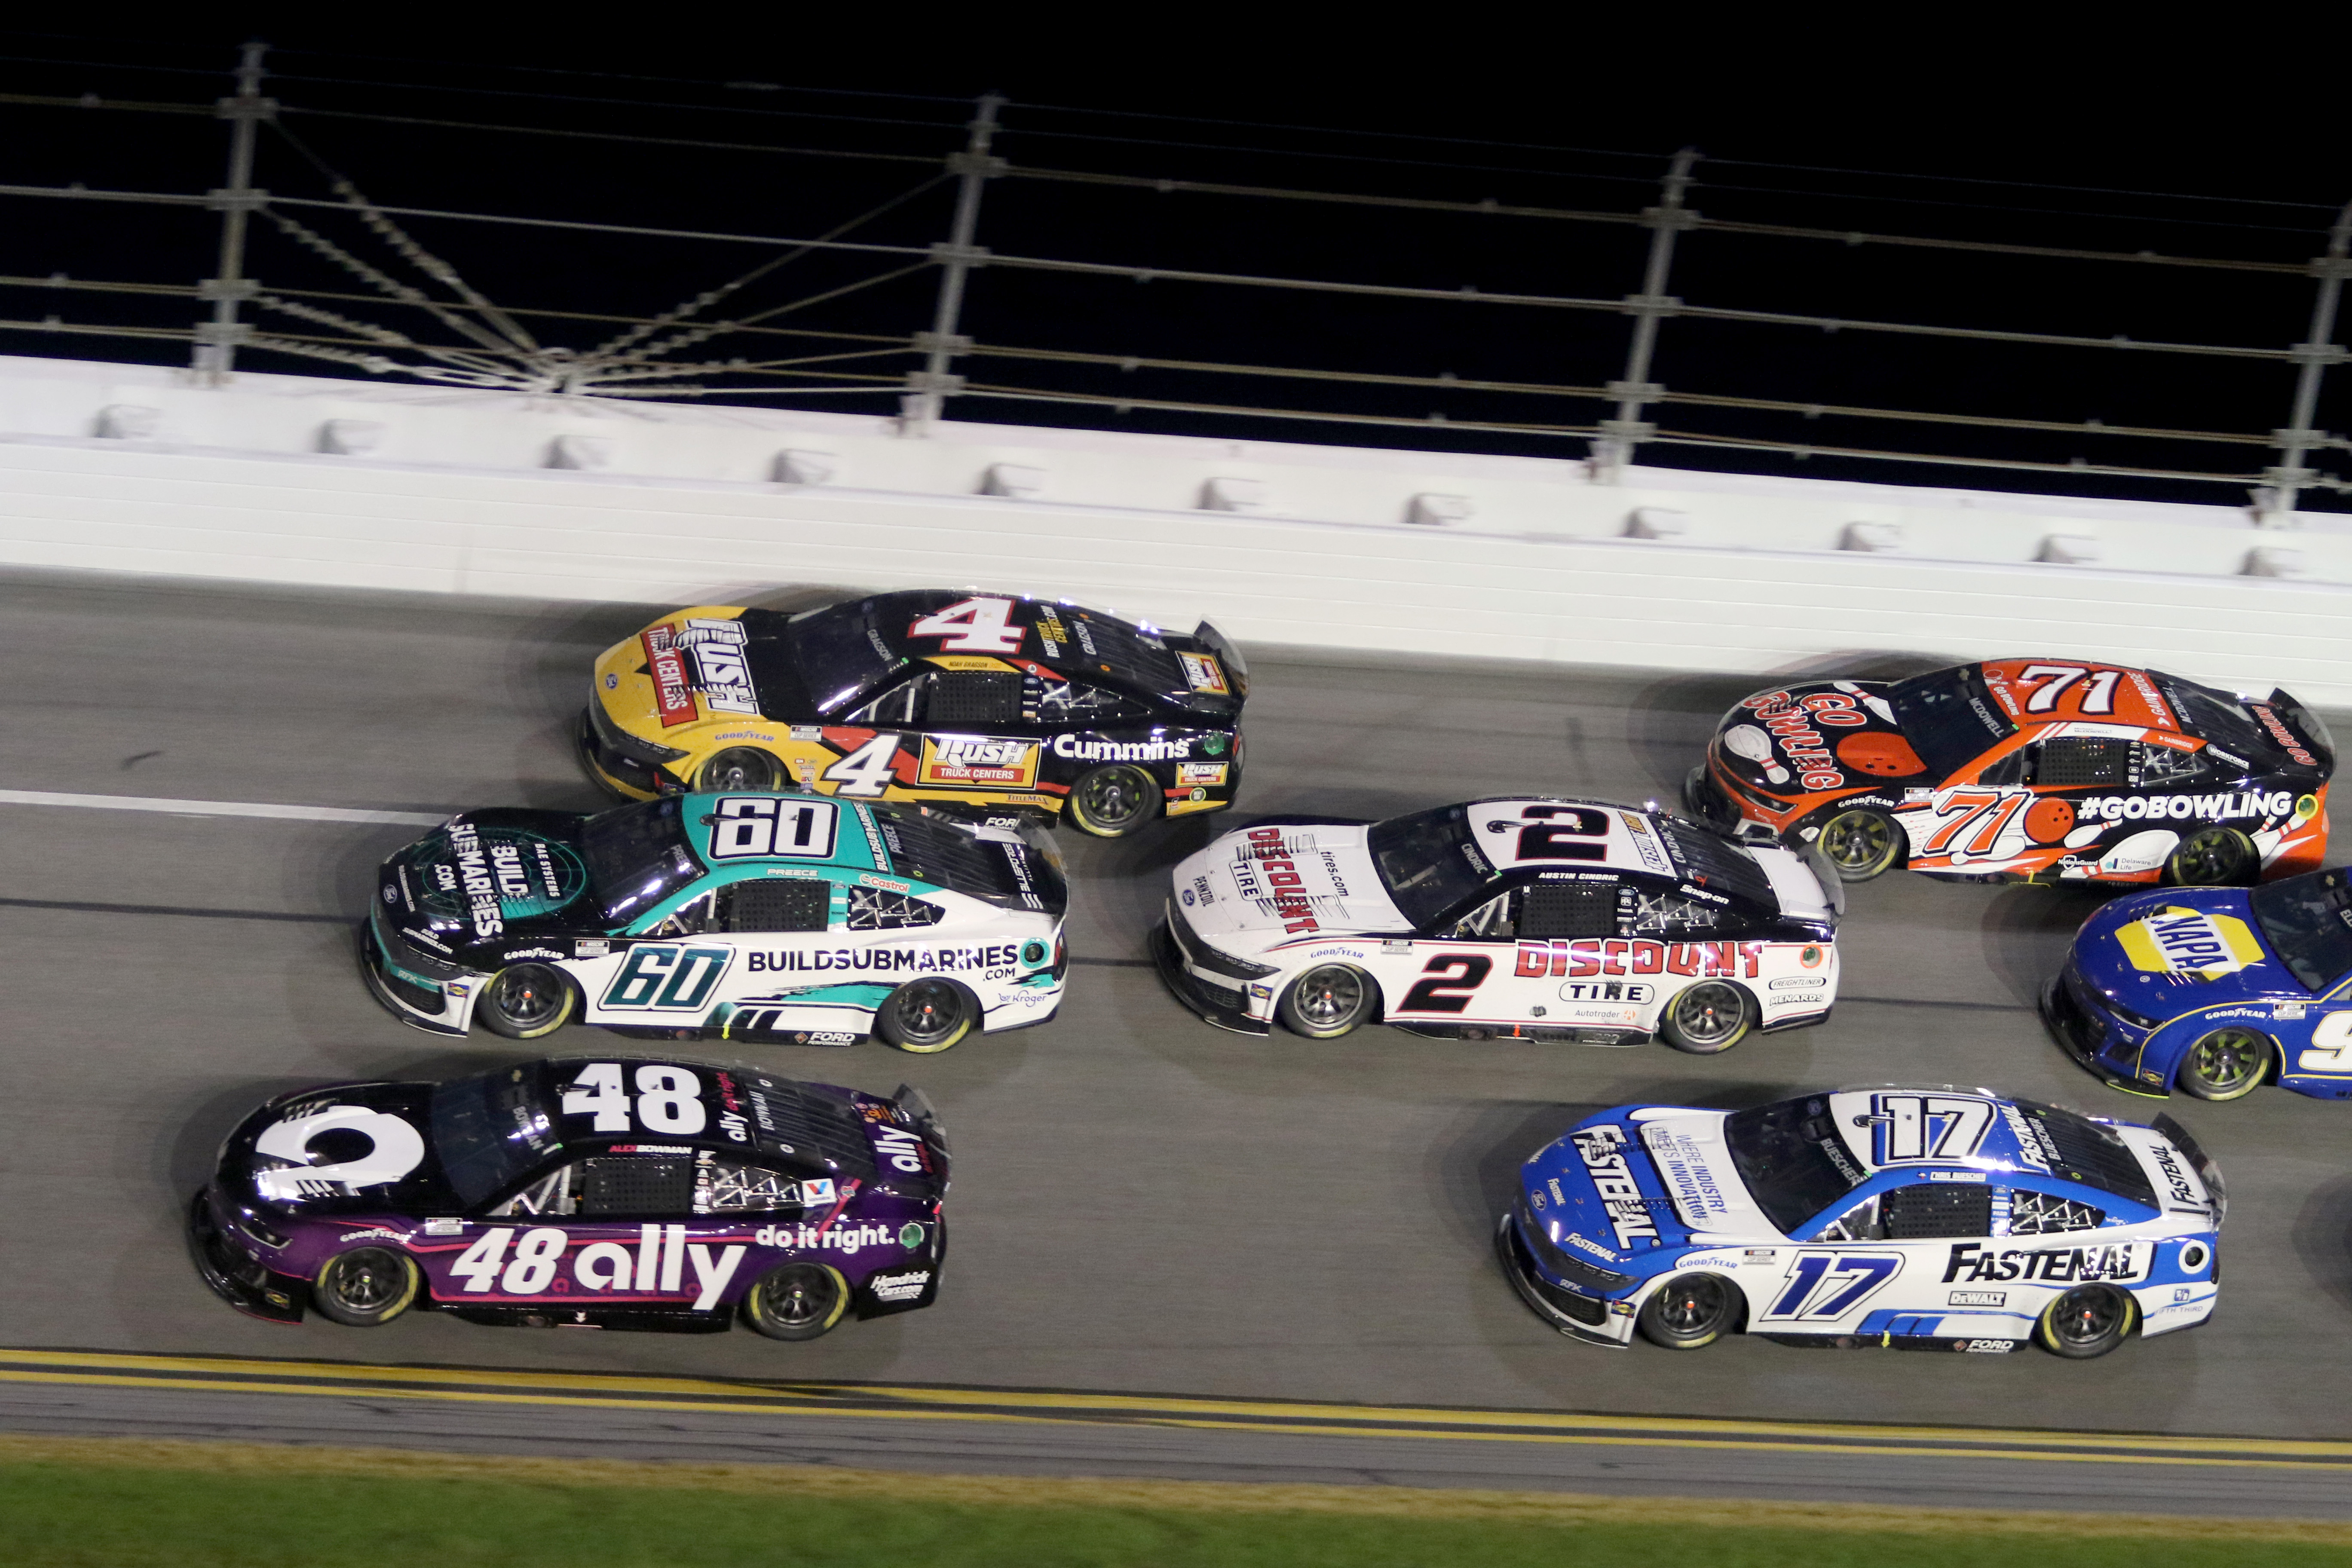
(1826, 1285)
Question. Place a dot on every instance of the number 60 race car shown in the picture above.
(623, 1194)
(783, 918)
(1533, 919)
(948, 699)
(2019, 770)
(1916, 1218)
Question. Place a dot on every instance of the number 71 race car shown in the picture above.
(2020, 770)
(985, 702)
(1527, 918)
(619, 1193)
(1916, 1218)
(782, 917)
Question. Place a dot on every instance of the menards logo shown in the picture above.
(2175, 940)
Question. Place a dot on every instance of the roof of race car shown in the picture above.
(1516, 833)
(1893, 1128)
(2039, 692)
(604, 1100)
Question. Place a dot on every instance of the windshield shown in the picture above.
(490, 1130)
(1428, 863)
(1949, 718)
(1791, 1158)
(2308, 922)
(840, 652)
(637, 856)
(950, 854)
(2216, 718)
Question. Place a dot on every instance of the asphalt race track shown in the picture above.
(1142, 1204)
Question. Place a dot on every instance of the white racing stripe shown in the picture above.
(219, 807)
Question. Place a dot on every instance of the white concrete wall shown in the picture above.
(457, 498)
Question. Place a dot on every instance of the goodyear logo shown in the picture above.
(2190, 941)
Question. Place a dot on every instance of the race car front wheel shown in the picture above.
(527, 1002)
(1328, 1001)
(927, 1016)
(2228, 1064)
(738, 768)
(1690, 1310)
(1707, 1018)
(1113, 802)
(2212, 857)
(1860, 844)
(796, 1301)
(364, 1287)
(2088, 1321)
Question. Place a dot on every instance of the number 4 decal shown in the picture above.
(867, 770)
(1825, 1285)
(972, 626)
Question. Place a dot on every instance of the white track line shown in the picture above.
(219, 807)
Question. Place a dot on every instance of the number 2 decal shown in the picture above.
(972, 626)
(1553, 831)
(2331, 1044)
(1831, 1284)
(1449, 980)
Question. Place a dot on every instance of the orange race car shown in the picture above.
(2027, 770)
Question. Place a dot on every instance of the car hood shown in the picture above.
(1263, 885)
(1634, 1182)
(492, 874)
(1816, 735)
(2162, 953)
(342, 1148)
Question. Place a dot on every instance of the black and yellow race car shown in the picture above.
(943, 697)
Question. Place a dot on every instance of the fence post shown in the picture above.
(1618, 436)
(216, 340)
(2275, 502)
(929, 389)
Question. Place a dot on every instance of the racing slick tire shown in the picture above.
(527, 1002)
(2088, 1321)
(796, 1301)
(1709, 1019)
(926, 1016)
(738, 768)
(1861, 844)
(2212, 857)
(365, 1287)
(1328, 1001)
(1690, 1311)
(1113, 802)
(2228, 1064)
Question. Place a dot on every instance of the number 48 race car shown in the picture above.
(1528, 918)
(1915, 1218)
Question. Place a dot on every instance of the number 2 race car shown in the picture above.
(1532, 919)
(1916, 1218)
(624, 1193)
(944, 698)
(2017, 769)
(782, 918)
(2214, 992)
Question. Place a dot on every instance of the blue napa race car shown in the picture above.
(1919, 1218)
(2214, 991)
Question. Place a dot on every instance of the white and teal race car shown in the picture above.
(782, 917)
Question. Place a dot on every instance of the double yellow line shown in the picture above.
(558, 1390)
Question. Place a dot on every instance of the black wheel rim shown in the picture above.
(1692, 1307)
(2208, 859)
(1114, 798)
(529, 997)
(739, 769)
(2228, 1060)
(1858, 841)
(1709, 1015)
(801, 1301)
(2087, 1316)
(928, 1012)
(368, 1281)
(1329, 996)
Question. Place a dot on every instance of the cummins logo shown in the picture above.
(1121, 750)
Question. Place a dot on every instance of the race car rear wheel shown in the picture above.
(796, 1301)
(1860, 844)
(2212, 857)
(364, 1287)
(1113, 802)
(738, 768)
(927, 1016)
(2088, 1321)
(1707, 1018)
(527, 1002)
(2228, 1064)
(1690, 1310)
(1328, 1001)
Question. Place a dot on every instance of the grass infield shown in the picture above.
(92, 1502)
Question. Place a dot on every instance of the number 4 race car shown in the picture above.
(782, 917)
(1916, 1218)
(1532, 919)
(2214, 992)
(624, 1193)
(2016, 770)
(953, 700)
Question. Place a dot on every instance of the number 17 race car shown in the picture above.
(2021, 770)
(1529, 918)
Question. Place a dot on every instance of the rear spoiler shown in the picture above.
(1228, 655)
(2306, 723)
(919, 1110)
(2207, 1171)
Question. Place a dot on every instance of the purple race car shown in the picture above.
(602, 1193)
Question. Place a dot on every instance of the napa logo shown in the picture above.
(2190, 941)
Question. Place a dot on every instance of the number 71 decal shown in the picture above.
(1826, 1285)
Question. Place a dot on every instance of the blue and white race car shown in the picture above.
(1920, 1218)
(2214, 991)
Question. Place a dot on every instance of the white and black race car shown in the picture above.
(1532, 917)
